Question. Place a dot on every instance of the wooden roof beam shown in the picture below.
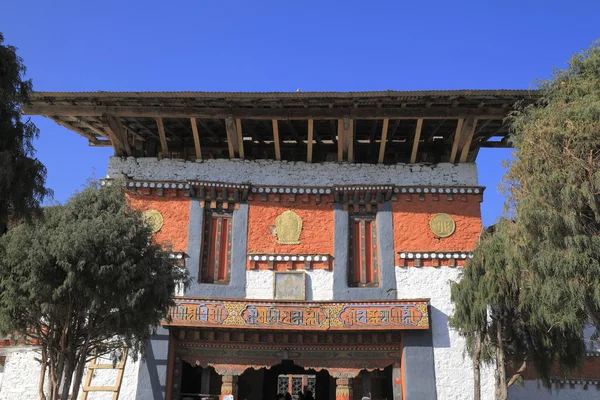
(117, 134)
(240, 137)
(309, 144)
(340, 139)
(348, 140)
(91, 127)
(415, 147)
(232, 136)
(163, 138)
(456, 141)
(276, 140)
(196, 138)
(70, 126)
(266, 113)
(462, 139)
(468, 139)
(384, 132)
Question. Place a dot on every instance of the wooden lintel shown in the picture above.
(276, 140)
(415, 147)
(340, 139)
(309, 150)
(467, 141)
(240, 137)
(196, 138)
(384, 132)
(266, 113)
(162, 136)
(456, 141)
(231, 136)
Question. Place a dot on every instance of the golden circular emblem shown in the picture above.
(442, 225)
(154, 219)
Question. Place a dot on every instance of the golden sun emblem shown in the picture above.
(154, 219)
(442, 225)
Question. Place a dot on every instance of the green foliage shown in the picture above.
(22, 176)
(493, 299)
(87, 277)
(554, 188)
(539, 276)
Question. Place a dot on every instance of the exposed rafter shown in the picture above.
(240, 137)
(417, 138)
(196, 138)
(276, 140)
(117, 134)
(456, 141)
(466, 147)
(309, 150)
(163, 138)
(232, 136)
(384, 132)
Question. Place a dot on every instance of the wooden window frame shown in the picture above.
(363, 258)
(215, 260)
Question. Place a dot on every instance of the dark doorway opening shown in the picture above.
(198, 382)
(301, 379)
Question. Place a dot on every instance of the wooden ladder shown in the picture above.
(116, 389)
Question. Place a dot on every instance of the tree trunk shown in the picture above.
(80, 367)
(476, 369)
(43, 369)
(501, 389)
(517, 374)
(70, 366)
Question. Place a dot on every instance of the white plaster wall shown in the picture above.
(260, 285)
(268, 172)
(21, 377)
(531, 390)
(453, 372)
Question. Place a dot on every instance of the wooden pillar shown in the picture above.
(229, 386)
(343, 388)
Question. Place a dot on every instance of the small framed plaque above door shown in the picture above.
(290, 286)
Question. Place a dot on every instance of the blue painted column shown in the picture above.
(419, 366)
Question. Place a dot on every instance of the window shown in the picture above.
(363, 268)
(216, 246)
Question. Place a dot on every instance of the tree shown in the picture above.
(85, 279)
(554, 189)
(22, 176)
(496, 313)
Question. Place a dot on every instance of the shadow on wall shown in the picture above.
(439, 328)
(309, 288)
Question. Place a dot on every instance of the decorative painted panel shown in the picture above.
(300, 315)
(290, 285)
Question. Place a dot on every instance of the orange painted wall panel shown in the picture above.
(411, 224)
(317, 225)
(176, 215)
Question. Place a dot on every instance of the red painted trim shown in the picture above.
(402, 378)
(170, 367)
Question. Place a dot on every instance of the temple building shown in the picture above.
(321, 232)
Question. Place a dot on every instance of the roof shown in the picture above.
(416, 126)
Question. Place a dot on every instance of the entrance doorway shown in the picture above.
(285, 377)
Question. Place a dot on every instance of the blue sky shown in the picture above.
(285, 45)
